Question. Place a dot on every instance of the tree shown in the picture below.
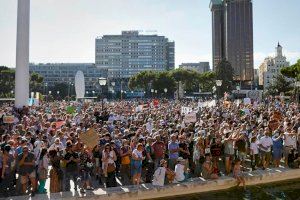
(60, 90)
(7, 81)
(280, 84)
(142, 80)
(292, 71)
(207, 80)
(36, 82)
(164, 80)
(224, 72)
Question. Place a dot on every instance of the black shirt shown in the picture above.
(71, 166)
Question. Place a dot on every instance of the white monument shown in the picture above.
(22, 54)
(79, 85)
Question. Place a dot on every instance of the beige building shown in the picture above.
(271, 67)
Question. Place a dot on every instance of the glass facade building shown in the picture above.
(232, 31)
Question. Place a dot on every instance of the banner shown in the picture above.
(90, 138)
(190, 118)
(9, 119)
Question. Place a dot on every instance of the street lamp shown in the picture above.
(102, 83)
(152, 91)
(219, 84)
(166, 90)
(49, 92)
(93, 93)
(155, 92)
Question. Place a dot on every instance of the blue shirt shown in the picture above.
(173, 146)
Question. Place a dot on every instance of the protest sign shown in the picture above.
(186, 110)
(71, 109)
(190, 118)
(247, 101)
(9, 119)
(90, 138)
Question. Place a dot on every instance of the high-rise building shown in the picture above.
(271, 67)
(129, 53)
(200, 67)
(232, 36)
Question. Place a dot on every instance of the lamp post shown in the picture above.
(152, 91)
(166, 90)
(102, 83)
(219, 84)
(155, 92)
(112, 90)
(93, 93)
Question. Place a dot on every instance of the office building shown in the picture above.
(271, 67)
(200, 67)
(232, 36)
(129, 53)
(54, 73)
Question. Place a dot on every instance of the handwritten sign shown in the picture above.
(90, 138)
(190, 118)
(9, 119)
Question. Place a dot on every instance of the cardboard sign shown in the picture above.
(90, 138)
(190, 118)
(71, 109)
(9, 119)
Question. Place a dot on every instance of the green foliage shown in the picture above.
(190, 79)
(224, 72)
(281, 84)
(292, 71)
(142, 80)
(7, 81)
(164, 80)
(62, 88)
(207, 80)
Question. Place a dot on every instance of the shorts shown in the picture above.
(286, 150)
(267, 155)
(230, 156)
(242, 155)
(24, 179)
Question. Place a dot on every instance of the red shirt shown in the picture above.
(159, 149)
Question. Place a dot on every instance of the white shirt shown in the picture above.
(266, 142)
(159, 176)
(289, 140)
(254, 148)
(179, 171)
(149, 127)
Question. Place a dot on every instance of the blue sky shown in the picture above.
(65, 30)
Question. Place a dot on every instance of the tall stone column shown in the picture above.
(22, 54)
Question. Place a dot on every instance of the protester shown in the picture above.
(134, 145)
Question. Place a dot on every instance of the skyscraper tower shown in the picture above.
(236, 36)
(218, 42)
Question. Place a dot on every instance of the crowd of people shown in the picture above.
(142, 141)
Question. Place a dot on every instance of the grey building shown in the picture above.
(129, 53)
(54, 73)
(232, 32)
(199, 67)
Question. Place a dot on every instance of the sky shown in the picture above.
(65, 30)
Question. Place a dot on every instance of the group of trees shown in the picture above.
(7, 82)
(192, 81)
